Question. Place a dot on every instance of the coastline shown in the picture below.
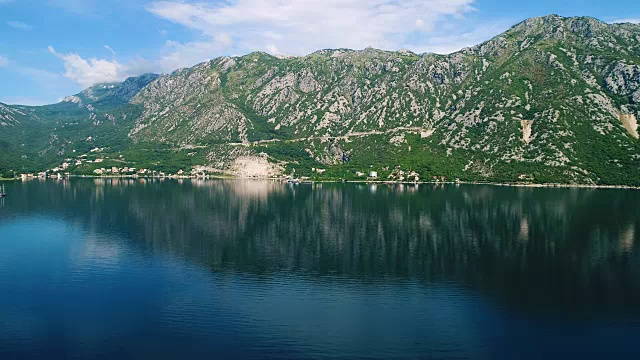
(378, 182)
(578, 186)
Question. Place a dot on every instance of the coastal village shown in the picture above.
(97, 164)
(396, 175)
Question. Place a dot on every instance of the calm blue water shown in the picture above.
(251, 270)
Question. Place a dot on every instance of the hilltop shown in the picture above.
(552, 99)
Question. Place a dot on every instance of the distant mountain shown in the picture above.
(553, 99)
(114, 93)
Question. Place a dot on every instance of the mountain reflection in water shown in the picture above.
(124, 268)
(560, 249)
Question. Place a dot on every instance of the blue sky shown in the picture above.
(53, 48)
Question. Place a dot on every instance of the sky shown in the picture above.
(53, 48)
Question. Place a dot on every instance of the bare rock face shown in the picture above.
(336, 153)
(227, 63)
(526, 130)
(306, 82)
(623, 79)
(553, 71)
(187, 107)
(131, 87)
(630, 123)
(635, 98)
(8, 115)
(72, 99)
(472, 110)
(255, 167)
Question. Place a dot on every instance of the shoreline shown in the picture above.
(578, 186)
(377, 182)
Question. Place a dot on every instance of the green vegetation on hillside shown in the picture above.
(552, 100)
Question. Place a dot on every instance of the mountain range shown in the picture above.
(551, 100)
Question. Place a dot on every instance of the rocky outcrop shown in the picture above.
(255, 166)
(526, 130)
(473, 110)
(131, 87)
(623, 79)
(630, 123)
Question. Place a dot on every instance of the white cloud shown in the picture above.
(298, 27)
(91, 71)
(19, 25)
(291, 27)
(110, 50)
(3, 61)
(223, 39)
(87, 72)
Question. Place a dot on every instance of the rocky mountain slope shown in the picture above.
(551, 100)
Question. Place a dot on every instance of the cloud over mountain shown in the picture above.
(297, 27)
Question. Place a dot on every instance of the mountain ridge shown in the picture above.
(552, 99)
(523, 22)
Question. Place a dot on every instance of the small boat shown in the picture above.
(3, 192)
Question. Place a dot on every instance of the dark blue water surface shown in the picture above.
(112, 269)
